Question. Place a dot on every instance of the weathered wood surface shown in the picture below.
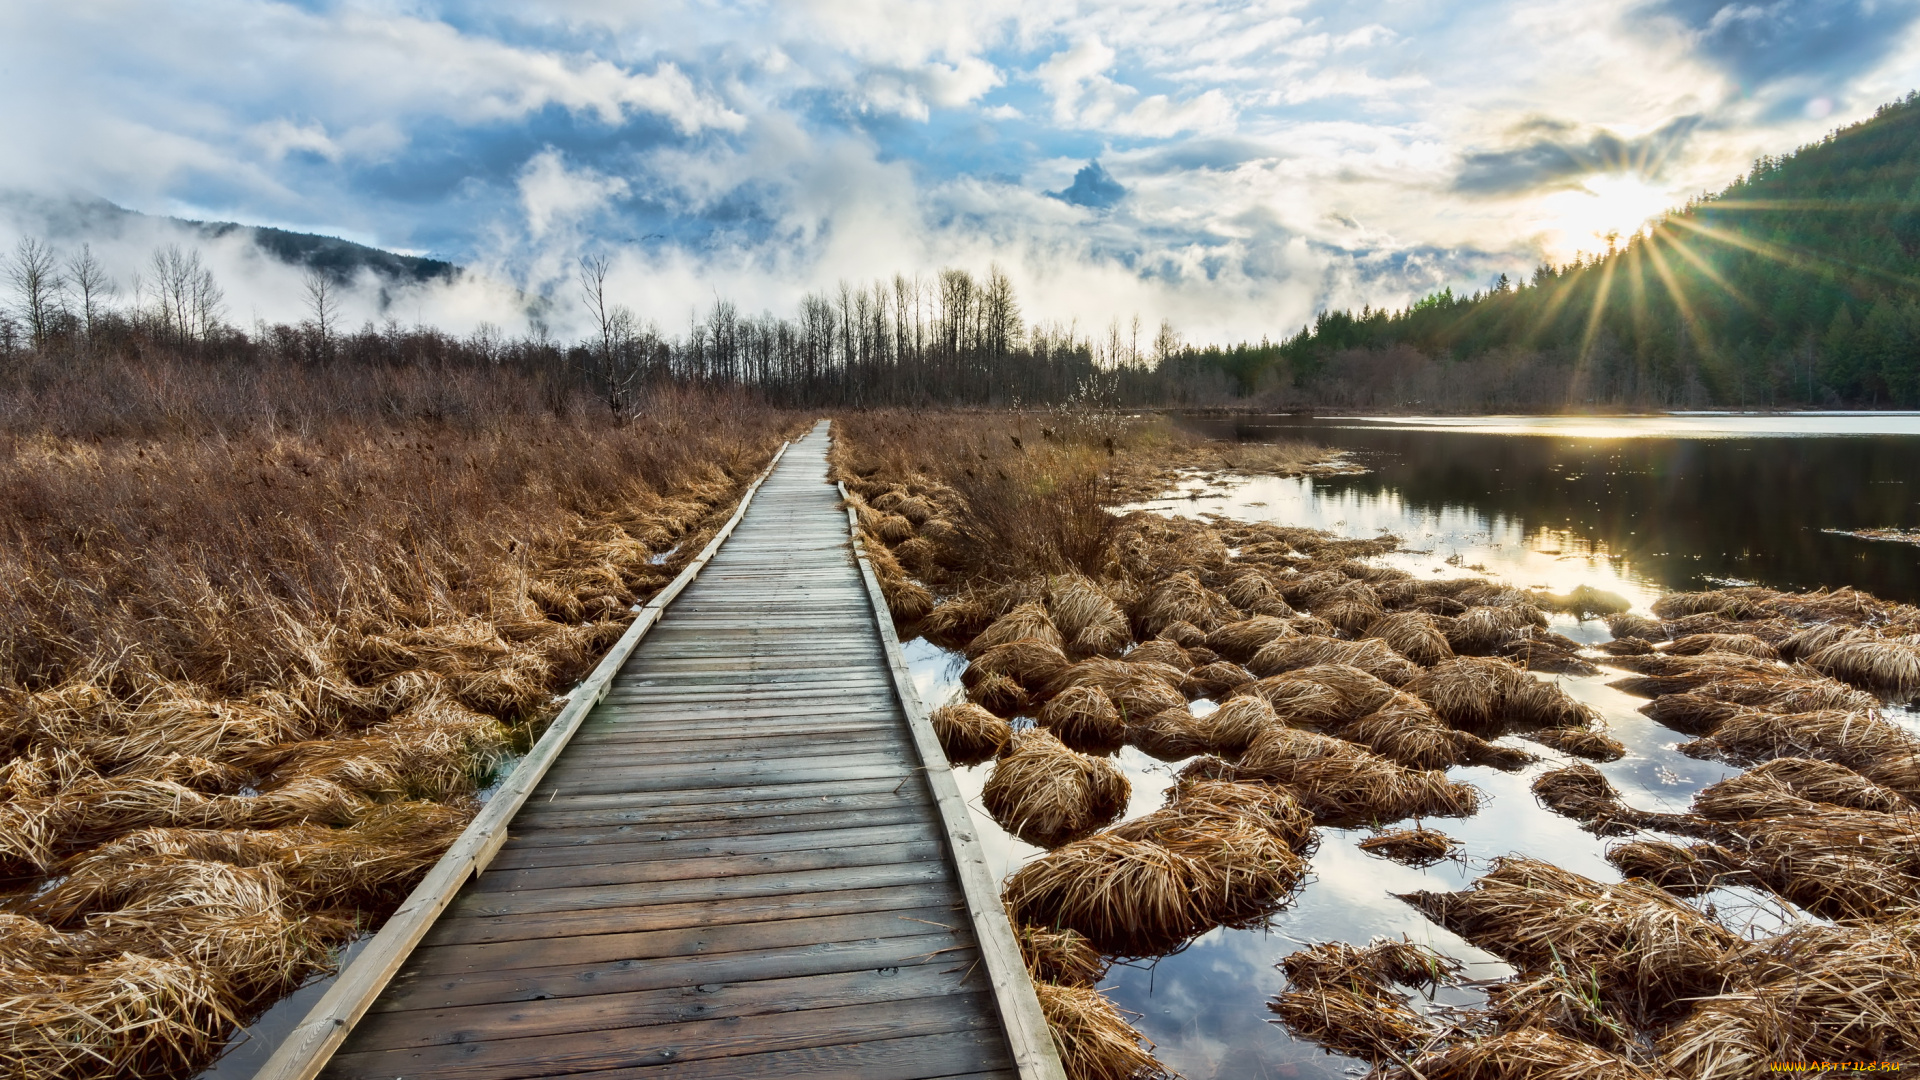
(739, 865)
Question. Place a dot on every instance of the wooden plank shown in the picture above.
(542, 849)
(493, 958)
(707, 806)
(929, 1057)
(512, 1059)
(555, 837)
(454, 930)
(530, 879)
(547, 901)
(311, 1043)
(587, 779)
(1031, 1039)
(712, 999)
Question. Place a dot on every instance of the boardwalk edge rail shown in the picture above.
(307, 1049)
(1029, 1037)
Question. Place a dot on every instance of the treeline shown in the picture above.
(1797, 285)
(951, 338)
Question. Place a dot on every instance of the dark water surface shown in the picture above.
(1681, 505)
(1636, 507)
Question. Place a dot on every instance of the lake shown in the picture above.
(1636, 506)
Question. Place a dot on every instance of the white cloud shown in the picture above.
(1085, 97)
(554, 195)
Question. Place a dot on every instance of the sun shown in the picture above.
(1580, 219)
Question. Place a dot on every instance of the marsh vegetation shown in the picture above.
(1301, 686)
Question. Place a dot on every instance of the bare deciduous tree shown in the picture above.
(38, 289)
(323, 303)
(188, 301)
(89, 278)
(614, 369)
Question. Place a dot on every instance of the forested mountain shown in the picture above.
(1798, 284)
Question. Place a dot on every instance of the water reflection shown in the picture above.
(1736, 500)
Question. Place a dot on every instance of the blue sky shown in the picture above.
(1229, 166)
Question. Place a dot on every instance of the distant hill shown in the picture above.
(1798, 284)
(338, 259)
(72, 220)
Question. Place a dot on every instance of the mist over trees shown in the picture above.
(1797, 285)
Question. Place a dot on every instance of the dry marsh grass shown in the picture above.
(263, 635)
(1048, 795)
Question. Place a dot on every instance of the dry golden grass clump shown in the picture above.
(1171, 735)
(1628, 625)
(1481, 631)
(1415, 847)
(1372, 656)
(1644, 953)
(1583, 600)
(1580, 742)
(1095, 1042)
(968, 733)
(1180, 597)
(1027, 622)
(1351, 607)
(1092, 623)
(1342, 996)
(1887, 667)
(1274, 809)
(1877, 749)
(1841, 864)
(1741, 644)
(1161, 652)
(1683, 871)
(1414, 635)
(1061, 957)
(1030, 665)
(1553, 654)
(1138, 690)
(1811, 994)
(1485, 694)
(1234, 725)
(1342, 784)
(1762, 791)
(1184, 634)
(1524, 1053)
(1245, 868)
(1322, 695)
(1128, 897)
(956, 621)
(1048, 795)
(1251, 589)
(1701, 668)
(1214, 680)
(1240, 641)
(1085, 719)
(1217, 852)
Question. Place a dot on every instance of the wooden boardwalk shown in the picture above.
(740, 864)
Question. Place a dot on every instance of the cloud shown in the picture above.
(1278, 154)
(1092, 187)
(1555, 154)
(1085, 97)
(554, 195)
(1824, 41)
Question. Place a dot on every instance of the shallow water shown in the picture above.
(1637, 508)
